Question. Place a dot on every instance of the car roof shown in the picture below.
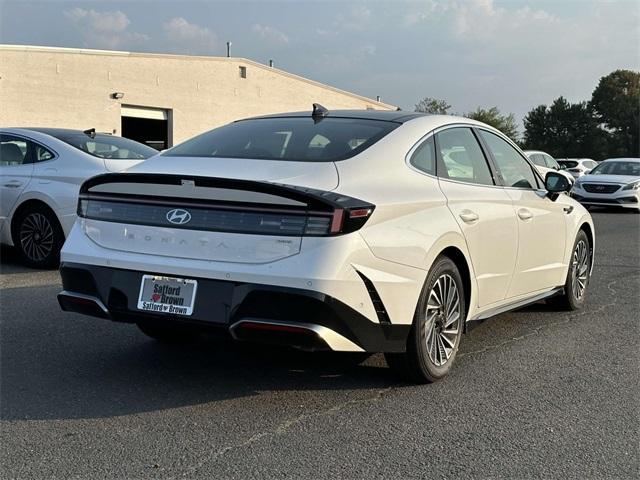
(54, 132)
(630, 159)
(398, 116)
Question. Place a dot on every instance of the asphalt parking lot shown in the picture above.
(534, 393)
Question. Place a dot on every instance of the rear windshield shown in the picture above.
(617, 168)
(107, 146)
(568, 163)
(291, 138)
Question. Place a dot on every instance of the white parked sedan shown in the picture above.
(41, 170)
(361, 231)
(578, 166)
(545, 163)
(613, 183)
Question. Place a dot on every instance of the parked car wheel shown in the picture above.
(38, 237)
(437, 327)
(578, 275)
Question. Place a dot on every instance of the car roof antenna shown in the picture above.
(319, 111)
(91, 132)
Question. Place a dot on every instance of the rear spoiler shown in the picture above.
(346, 214)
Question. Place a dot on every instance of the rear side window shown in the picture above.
(13, 151)
(462, 158)
(107, 146)
(291, 138)
(424, 157)
(568, 163)
(514, 169)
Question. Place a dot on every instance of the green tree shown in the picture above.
(505, 123)
(616, 103)
(565, 130)
(432, 105)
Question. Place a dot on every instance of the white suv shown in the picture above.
(545, 163)
(578, 167)
(361, 231)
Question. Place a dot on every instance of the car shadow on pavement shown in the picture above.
(64, 366)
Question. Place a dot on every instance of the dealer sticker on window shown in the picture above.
(174, 296)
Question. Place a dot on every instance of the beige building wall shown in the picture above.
(72, 88)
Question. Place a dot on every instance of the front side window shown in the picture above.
(462, 157)
(514, 169)
(424, 157)
(538, 159)
(13, 151)
(301, 139)
(551, 162)
(107, 146)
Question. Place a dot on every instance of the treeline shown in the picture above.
(608, 125)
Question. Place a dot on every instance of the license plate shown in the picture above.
(174, 296)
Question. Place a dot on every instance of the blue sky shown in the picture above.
(512, 54)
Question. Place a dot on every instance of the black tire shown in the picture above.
(37, 236)
(571, 298)
(417, 363)
(167, 332)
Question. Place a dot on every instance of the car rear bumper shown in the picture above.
(249, 311)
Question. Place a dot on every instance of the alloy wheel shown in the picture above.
(36, 237)
(580, 269)
(442, 324)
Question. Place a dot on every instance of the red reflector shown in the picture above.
(361, 212)
(272, 327)
(336, 220)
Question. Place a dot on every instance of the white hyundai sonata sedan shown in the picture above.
(359, 231)
(41, 170)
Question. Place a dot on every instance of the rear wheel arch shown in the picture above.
(586, 227)
(459, 259)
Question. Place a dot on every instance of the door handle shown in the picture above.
(525, 214)
(468, 216)
(13, 184)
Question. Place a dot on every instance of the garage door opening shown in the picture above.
(150, 126)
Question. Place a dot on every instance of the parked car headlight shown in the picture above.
(632, 186)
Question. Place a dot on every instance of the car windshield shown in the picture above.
(617, 168)
(107, 146)
(568, 163)
(287, 138)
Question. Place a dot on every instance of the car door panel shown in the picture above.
(541, 221)
(486, 218)
(16, 171)
(483, 211)
(541, 233)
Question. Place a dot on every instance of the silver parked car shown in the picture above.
(613, 183)
(41, 170)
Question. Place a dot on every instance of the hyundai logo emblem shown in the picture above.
(178, 216)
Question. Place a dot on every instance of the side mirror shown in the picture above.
(587, 172)
(556, 183)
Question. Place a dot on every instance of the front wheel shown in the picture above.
(578, 276)
(437, 327)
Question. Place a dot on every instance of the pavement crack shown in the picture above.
(536, 331)
(286, 425)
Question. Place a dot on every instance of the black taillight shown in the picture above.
(305, 212)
